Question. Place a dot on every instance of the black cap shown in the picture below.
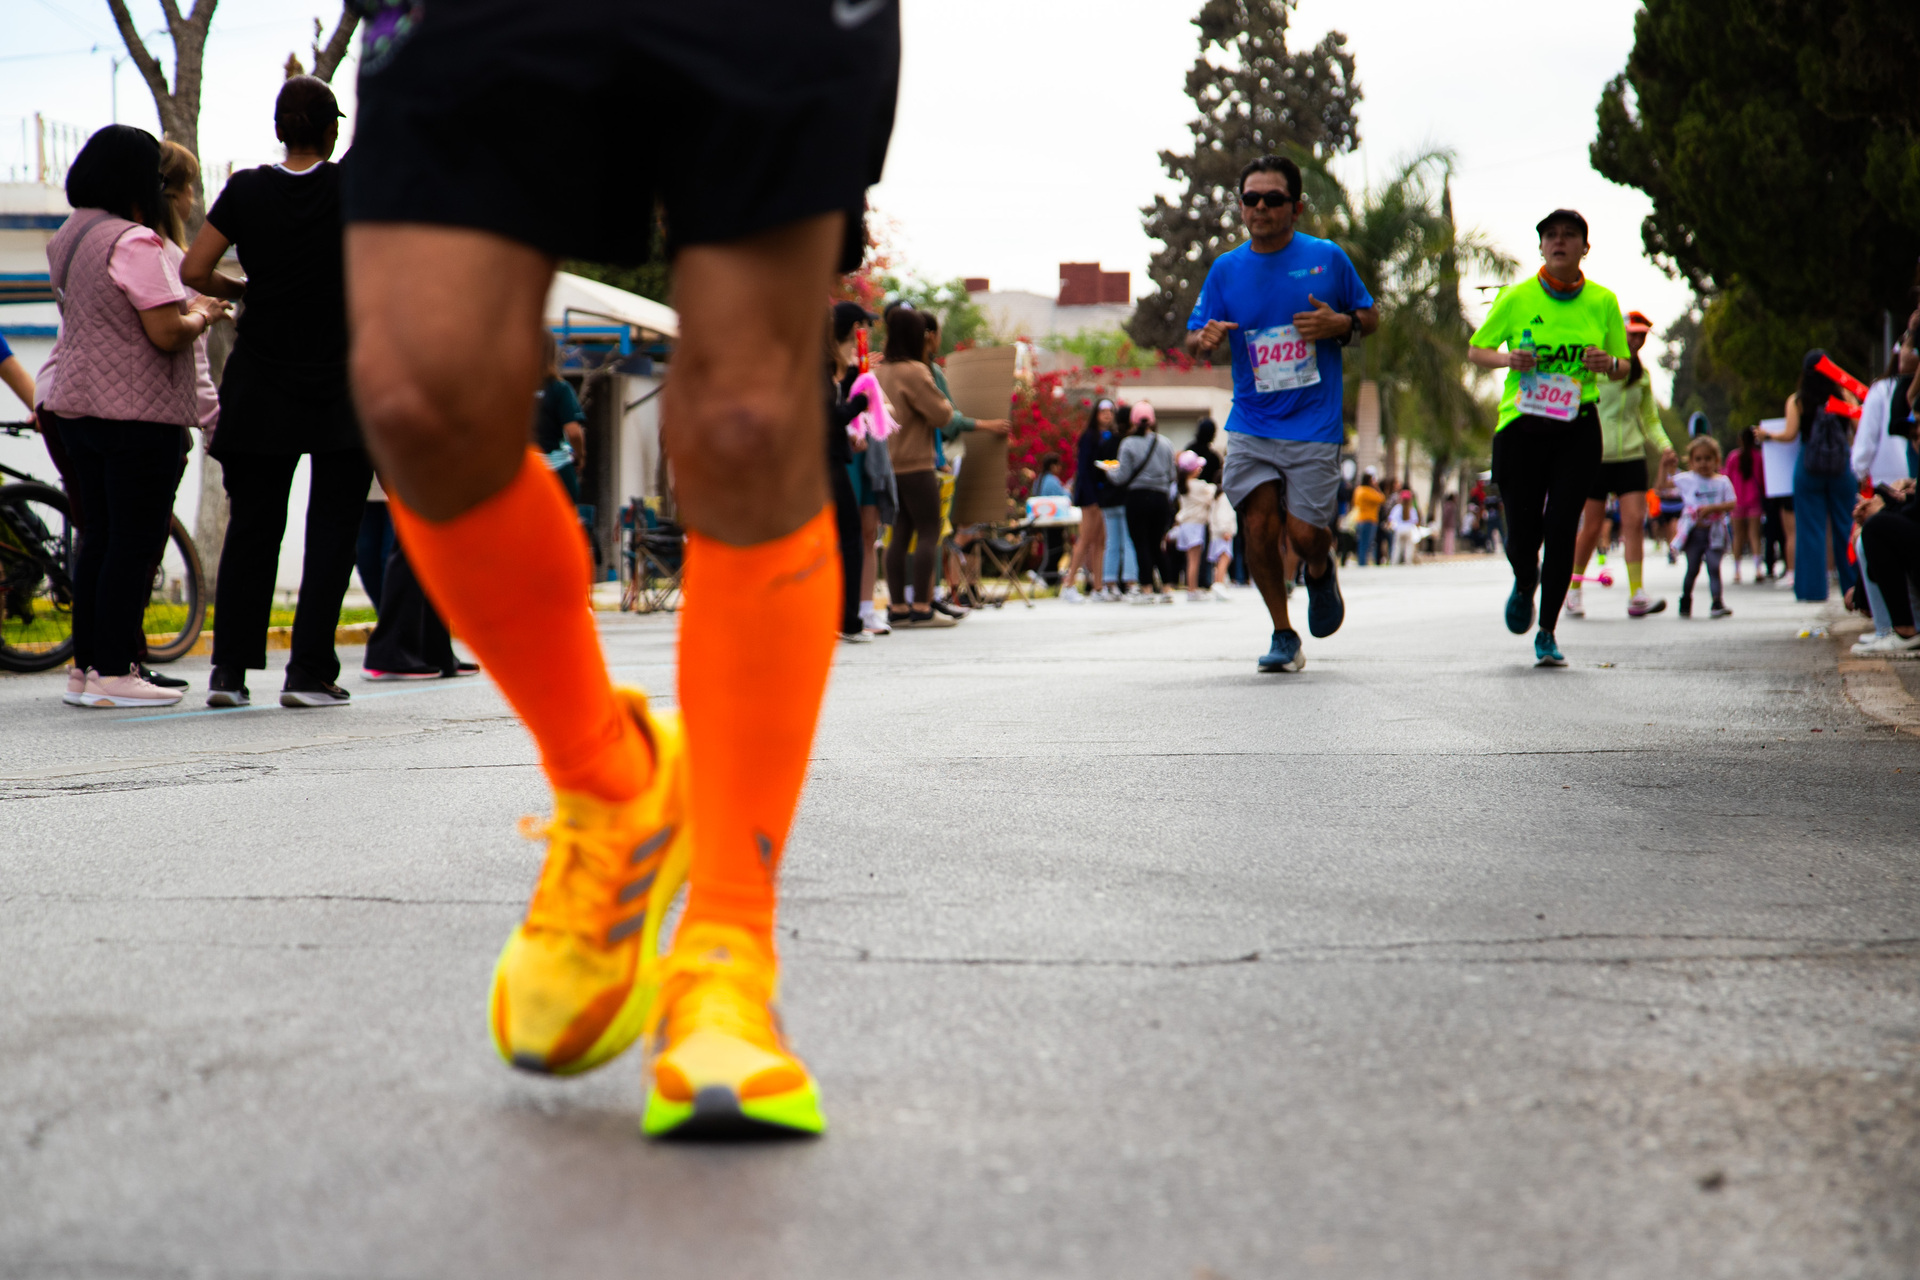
(848, 314)
(1563, 215)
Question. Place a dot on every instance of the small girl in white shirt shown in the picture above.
(1191, 520)
(1706, 498)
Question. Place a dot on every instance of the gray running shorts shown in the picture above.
(1308, 472)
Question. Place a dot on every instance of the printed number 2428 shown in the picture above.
(1287, 351)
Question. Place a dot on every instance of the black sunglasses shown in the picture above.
(1271, 199)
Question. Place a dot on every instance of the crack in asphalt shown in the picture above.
(1397, 953)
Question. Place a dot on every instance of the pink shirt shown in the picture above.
(144, 271)
(204, 391)
(1748, 494)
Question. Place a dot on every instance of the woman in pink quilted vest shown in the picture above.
(123, 394)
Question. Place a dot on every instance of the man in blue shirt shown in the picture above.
(1284, 303)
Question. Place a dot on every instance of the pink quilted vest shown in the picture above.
(107, 366)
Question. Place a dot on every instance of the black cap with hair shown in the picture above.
(1563, 215)
(848, 314)
(305, 111)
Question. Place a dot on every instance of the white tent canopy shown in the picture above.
(577, 300)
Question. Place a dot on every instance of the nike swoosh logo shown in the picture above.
(848, 14)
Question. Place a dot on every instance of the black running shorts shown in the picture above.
(1615, 478)
(559, 123)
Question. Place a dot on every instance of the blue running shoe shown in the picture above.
(1520, 610)
(1545, 652)
(1326, 610)
(1285, 654)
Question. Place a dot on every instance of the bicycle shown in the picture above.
(39, 544)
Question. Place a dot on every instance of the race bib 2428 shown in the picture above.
(1282, 359)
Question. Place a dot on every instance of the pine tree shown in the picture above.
(1256, 99)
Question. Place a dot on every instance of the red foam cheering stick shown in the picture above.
(865, 364)
(1846, 381)
(1836, 405)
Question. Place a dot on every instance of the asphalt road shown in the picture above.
(1114, 958)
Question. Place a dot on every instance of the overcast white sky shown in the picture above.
(1029, 129)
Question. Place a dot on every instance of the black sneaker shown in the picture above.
(952, 611)
(302, 690)
(227, 687)
(1520, 610)
(154, 677)
(1686, 606)
(1326, 610)
(460, 668)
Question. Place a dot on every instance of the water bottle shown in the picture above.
(1527, 379)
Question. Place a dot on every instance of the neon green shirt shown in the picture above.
(1562, 331)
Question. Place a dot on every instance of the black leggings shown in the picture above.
(258, 485)
(1699, 547)
(1544, 469)
(126, 473)
(1149, 516)
(1892, 543)
(919, 514)
(846, 519)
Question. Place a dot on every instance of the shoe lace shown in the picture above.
(714, 991)
(577, 891)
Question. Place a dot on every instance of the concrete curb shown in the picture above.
(1872, 685)
(353, 633)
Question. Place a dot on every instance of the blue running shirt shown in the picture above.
(1293, 393)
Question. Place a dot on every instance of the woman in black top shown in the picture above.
(284, 394)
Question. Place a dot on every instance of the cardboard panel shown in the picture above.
(982, 385)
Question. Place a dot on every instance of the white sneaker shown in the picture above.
(1073, 595)
(1195, 595)
(76, 694)
(1574, 607)
(1220, 592)
(1163, 597)
(861, 636)
(1890, 645)
(127, 691)
(1137, 596)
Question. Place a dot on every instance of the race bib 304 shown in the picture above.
(1550, 395)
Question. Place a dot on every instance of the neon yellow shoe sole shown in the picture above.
(717, 1112)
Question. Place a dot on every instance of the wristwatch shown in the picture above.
(1352, 335)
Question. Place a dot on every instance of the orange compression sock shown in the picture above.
(756, 641)
(511, 578)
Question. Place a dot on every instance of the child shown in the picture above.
(1190, 521)
(1223, 524)
(1707, 501)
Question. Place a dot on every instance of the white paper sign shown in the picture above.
(1778, 458)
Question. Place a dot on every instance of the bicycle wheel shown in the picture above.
(177, 606)
(37, 547)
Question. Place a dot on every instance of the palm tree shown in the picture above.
(1410, 253)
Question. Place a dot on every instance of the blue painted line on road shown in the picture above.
(275, 706)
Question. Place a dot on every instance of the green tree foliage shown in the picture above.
(1255, 98)
(962, 324)
(1411, 255)
(1105, 349)
(1780, 179)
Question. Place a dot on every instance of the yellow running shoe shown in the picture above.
(574, 983)
(719, 1064)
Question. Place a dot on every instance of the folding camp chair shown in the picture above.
(654, 560)
(1000, 551)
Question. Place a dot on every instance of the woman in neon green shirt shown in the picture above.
(1562, 334)
(1629, 422)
